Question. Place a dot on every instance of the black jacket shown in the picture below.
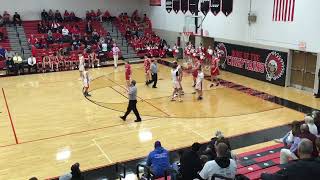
(190, 165)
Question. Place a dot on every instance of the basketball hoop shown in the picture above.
(186, 36)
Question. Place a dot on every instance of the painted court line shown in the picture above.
(101, 150)
(12, 125)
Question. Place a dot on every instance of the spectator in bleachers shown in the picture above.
(41, 27)
(305, 133)
(66, 16)
(306, 167)
(1, 35)
(191, 163)
(9, 55)
(158, 160)
(93, 15)
(312, 127)
(55, 27)
(73, 17)
(99, 15)
(3, 52)
(18, 63)
(58, 16)
(50, 38)
(88, 16)
(75, 173)
(95, 35)
(44, 15)
(89, 28)
(288, 138)
(222, 165)
(6, 18)
(50, 15)
(17, 19)
(106, 16)
(65, 34)
(1, 20)
(316, 117)
(75, 44)
(32, 63)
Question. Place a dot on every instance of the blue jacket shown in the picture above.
(159, 161)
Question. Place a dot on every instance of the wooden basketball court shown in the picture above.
(47, 124)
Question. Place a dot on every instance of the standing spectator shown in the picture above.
(305, 168)
(58, 16)
(75, 173)
(115, 52)
(66, 16)
(44, 15)
(89, 28)
(106, 16)
(1, 20)
(158, 160)
(17, 19)
(32, 63)
(18, 63)
(132, 106)
(50, 15)
(222, 165)
(99, 15)
(93, 15)
(191, 163)
(88, 16)
(154, 73)
(6, 18)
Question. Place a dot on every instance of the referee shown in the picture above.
(132, 106)
(154, 73)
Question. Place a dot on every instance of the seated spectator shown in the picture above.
(316, 117)
(58, 16)
(17, 19)
(88, 16)
(312, 127)
(89, 28)
(32, 63)
(55, 27)
(1, 35)
(9, 55)
(6, 18)
(93, 15)
(75, 44)
(44, 15)
(191, 163)
(66, 16)
(3, 52)
(73, 17)
(99, 15)
(104, 46)
(306, 167)
(305, 133)
(288, 138)
(10, 65)
(65, 31)
(158, 160)
(50, 38)
(50, 15)
(95, 35)
(75, 173)
(222, 165)
(18, 63)
(1, 20)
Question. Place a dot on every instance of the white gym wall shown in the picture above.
(30, 9)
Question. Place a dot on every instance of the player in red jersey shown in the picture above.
(147, 64)
(215, 71)
(128, 73)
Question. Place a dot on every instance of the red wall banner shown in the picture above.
(155, 2)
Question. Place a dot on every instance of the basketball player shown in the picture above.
(176, 84)
(81, 66)
(115, 52)
(128, 73)
(86, 81)
(199, 82)
(147, 64)
(94, 59)
(180, 76)
(55, 62)
(214, 71)
(195, 71)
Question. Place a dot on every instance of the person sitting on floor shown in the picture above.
(75, 173)
(306, 167)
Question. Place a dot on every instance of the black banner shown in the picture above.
(169, 5)
(204, 6)
(215, 6)
(261, 64)
(176, 6)
(184, 6)
(193, 6)
(227, 7)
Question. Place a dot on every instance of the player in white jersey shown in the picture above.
(81, 65)
(180, 76)
(199, 82)
(176, 84)
(86, 81)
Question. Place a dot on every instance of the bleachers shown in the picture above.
(5, 43)
(265, 160)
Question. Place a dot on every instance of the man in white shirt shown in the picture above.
(221, 166)
(115, 52)
(32, 63)
(65, 31)
(17, 60)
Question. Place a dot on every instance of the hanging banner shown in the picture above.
(261, 64)
(193, 6)
(169, 5)
(204, 6)
(215, 6)
(227, 7)
(155, 2)
(184, 6)
(176, 6)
